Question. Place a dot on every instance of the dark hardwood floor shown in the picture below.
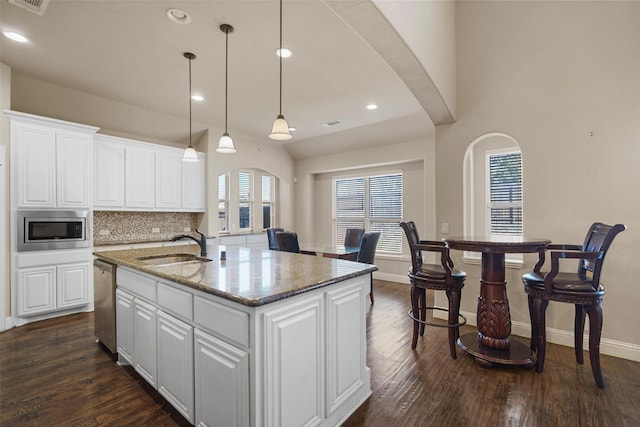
(52, 373)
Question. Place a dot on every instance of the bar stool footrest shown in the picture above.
(438, 325)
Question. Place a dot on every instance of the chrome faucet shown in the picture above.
(202, 241)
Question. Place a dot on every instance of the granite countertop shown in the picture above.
(249, 276)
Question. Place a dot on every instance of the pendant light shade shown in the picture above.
(280, 129)
(225, 145)
(190, 154)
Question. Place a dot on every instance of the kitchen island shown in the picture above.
(263, 338)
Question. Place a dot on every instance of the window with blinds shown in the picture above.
(504, 193)
(223, 202)
(373, 203)
(267, 202)
(245, 199)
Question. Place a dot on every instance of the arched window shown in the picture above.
(493, 190)
(247, 201)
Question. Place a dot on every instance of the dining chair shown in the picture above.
(271, 235)
(353, 237)
(440, 277)
(367, 252)
(582, 288)
(288, 241)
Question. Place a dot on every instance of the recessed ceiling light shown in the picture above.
(292, 129)
(15, 36)
(372, 107)
(284, 52)
(178, 16)
(197, 97)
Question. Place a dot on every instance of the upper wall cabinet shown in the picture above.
(193, 184)
(108, 161)
(53, 162)
(138, 176)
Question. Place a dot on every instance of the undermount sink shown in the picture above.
(171, 259)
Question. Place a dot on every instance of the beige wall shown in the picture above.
(428, 28)
(313, 194)
(561, 78)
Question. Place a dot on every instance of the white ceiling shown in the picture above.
(131, 52)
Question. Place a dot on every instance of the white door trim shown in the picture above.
(3, 236)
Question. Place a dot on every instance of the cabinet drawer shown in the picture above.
(139, 285)
(224, 321)
(175, 300)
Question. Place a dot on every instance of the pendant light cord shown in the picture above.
(226, 76)
(190, 102)
(280, 55)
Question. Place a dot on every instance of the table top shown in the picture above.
(330, 249)
(498, 244)
(249, 276)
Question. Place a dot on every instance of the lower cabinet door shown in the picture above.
(124, 322)
(221, 382)
(293, 363)
(144, 341)
(175, 363)
(72, 285)
(36, 291)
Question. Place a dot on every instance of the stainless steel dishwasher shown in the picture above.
(104, 299)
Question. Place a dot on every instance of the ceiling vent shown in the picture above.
(36, 6)
(333, 123)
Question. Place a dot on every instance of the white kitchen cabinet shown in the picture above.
(297, 361)
(144, 341)
(346, 345)
(221, 382)
(124, 322)
(193, 184)
(131, 175)
(108, 164)
(52, 159)
(73, 164)
(168, 180)
(139, 178)
(294, 380)
(36, 290)
(45, 289)
(71, 285)
(175, 363)
(36, 165)
(255, 240)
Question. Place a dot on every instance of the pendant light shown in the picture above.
(190, 152)
(225, 145)
(280, 130)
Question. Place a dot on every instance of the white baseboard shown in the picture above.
(399, 278)
(609, 347)
(8, 323)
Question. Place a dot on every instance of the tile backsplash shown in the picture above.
(130, 227)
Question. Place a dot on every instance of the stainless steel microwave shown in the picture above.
(45, 230)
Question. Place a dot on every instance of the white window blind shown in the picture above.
(504, 207)
(267, 202)
(245, 198)
(223, 202)
(385, 211)
(350, 205)
(373, 203)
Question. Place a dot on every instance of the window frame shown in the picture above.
(270, 202)
(233, 203)
(489, 205)
(224, 201)
(474, 198)
(247, 202)
(366, 220)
